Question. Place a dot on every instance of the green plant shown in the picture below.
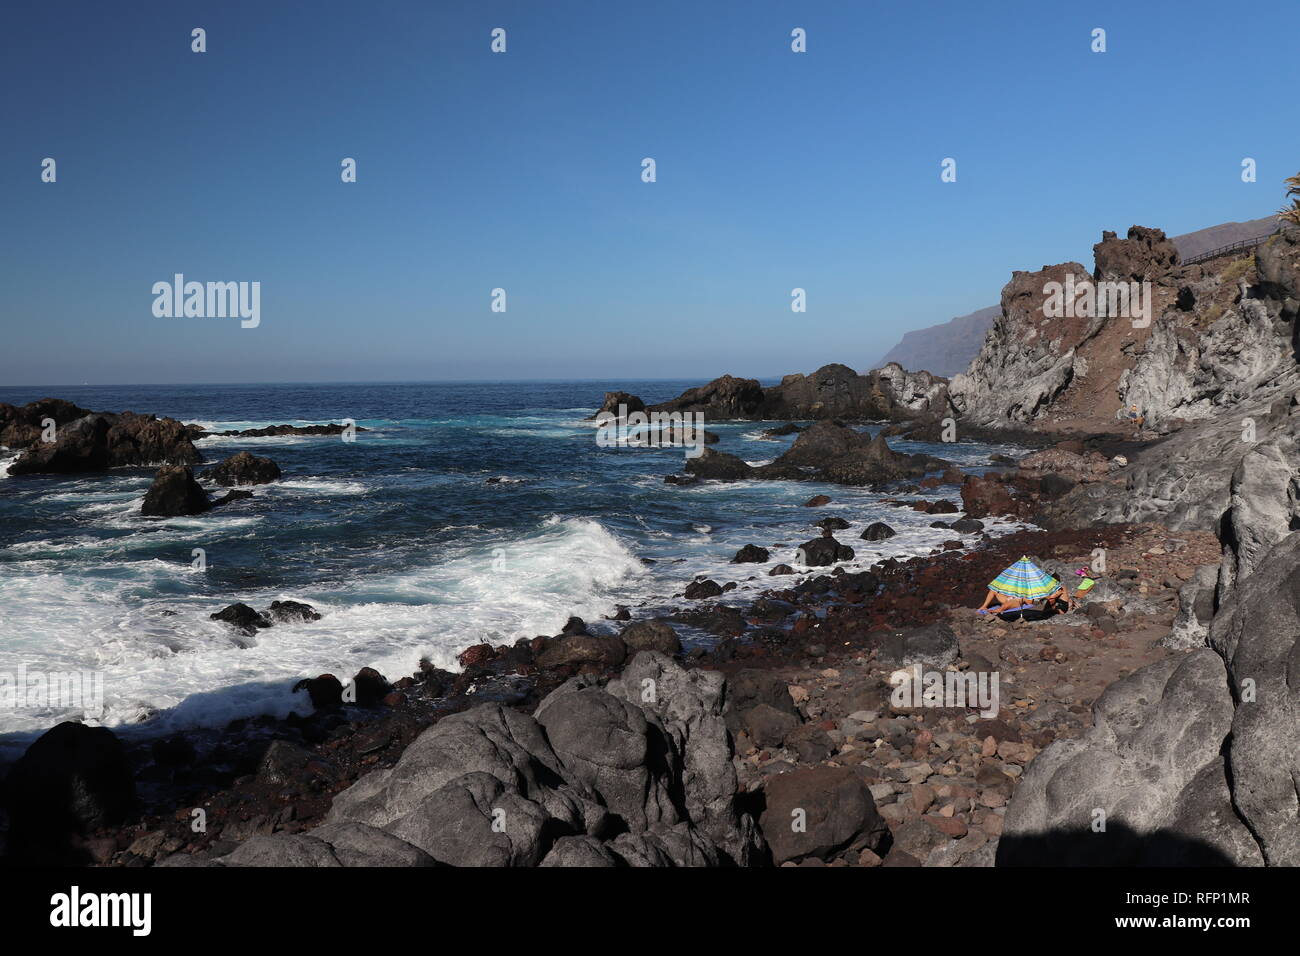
(1291, 213)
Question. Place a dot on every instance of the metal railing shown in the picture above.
(1224, 250)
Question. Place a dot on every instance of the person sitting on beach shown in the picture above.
(1003, 603)
(1059, 600)
(1014, 593)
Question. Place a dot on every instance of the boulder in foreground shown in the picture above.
(73, 779)
(603, 775)
(820, 812)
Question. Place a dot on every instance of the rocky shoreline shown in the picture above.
(1151, 726)
(794, 696)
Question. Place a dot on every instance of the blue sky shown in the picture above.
(523, 171)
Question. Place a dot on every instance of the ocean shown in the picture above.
(397, 538)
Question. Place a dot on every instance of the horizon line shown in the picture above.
(433, 381)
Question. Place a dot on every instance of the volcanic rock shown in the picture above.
(243, 618)
(877, 531)
(750, 554)
(833, 809)
(72, 779)
(244, 469)
(651, 636)
(175, 492)
(822, 552)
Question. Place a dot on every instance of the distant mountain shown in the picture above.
(1203, 240)
(948, 348)
(943, 349)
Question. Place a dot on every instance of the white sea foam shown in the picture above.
(215, 441)
(319, 486)
(194, 671)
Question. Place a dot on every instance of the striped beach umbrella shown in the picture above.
(1024, 580)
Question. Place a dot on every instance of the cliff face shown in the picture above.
(1208, 337)
(948, 349)
(1217, 378)
(1027, 359)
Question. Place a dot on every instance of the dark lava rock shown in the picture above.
(781, 569)
(967, 525)
(943, 507)
(325, 691)
(174, 751)
(175, 492)
(750, 554)
(613, 400)
(720, 619)
(1054, 485)
(291, 611)
(370, 687)
(820, 812)
(841, 454)
(21, 426)
(718, 465)
(235, 494)
(278, 430)
(651, 636)
(988, 496)
(1146, 254)
(72, 779)
(574, 625)
(997, 729)
(750, 687)
(283, 763)
(810, 743)
(95, 441)
(816, 501)
(821, 552)
(697, 590)
(767, 726)
(933, 646)
(244, 469)
(242, 617)
(831, 524)
(877, 531)
(723, 398)
(577, 649)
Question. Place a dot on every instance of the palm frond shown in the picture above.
(1291, 213)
